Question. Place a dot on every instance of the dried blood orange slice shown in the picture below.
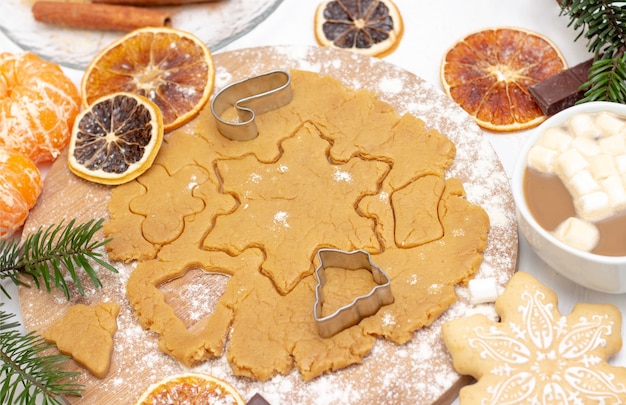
(488, 74)
(370, 27)
(172, 68)
(20, 186)
(191, 388)
(38, 105)
(115, 139)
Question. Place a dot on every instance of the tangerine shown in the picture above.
(38, 105)
(20, 186)
(172, 68)
(488, 74)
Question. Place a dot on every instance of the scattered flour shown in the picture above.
(430, 373)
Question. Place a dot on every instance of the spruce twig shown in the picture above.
(47, 255)
(27, 373)
(603, 24)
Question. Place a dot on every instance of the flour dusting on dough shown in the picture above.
(429, 368)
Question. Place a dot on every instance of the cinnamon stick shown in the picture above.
(98, 16)
(152, 2)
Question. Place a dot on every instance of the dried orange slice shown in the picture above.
(38, 105)
(20, 186)
(115, 139)
(488, 74)
(370, 27)
(191, 388)
(172, 68)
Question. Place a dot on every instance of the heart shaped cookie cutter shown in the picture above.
(251, 96)
(362, 306)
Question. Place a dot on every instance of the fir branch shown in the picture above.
(603, 24)
(47, 255)
(607, 80)
(27, 374)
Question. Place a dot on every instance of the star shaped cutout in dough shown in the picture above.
(277, 213)
(536, 355)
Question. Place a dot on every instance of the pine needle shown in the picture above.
(27, 374)
(49, 255)
(603, 24)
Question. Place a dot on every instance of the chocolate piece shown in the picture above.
(562, 90)
(257, 399)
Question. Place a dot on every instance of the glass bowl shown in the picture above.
(216, 23)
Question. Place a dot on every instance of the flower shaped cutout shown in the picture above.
(535, 355)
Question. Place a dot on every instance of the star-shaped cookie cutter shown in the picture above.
(362, 306)
(251, 96)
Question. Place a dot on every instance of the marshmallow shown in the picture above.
(609, 123)
(568, 163)
(542, 159)
(593, 206)
(578, 234)
(602, 166)
(582, 183)
(587, 147)
(620, 163)
(589, 156)
(614, 188)
(483, 290)
(613, 145)
(583, 125)
(555, 138)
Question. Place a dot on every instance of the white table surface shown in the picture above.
(431, 27)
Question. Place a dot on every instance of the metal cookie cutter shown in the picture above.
(362, 306)
(255, 95)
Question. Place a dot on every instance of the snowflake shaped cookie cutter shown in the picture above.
(361, 306)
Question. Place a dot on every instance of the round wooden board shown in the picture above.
(419, 371)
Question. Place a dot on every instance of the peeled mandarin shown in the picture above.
(38, 105)
(20, 186)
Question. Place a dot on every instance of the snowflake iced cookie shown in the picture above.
(535, 354)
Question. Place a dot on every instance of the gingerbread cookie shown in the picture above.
(86, 334)
(535, 354)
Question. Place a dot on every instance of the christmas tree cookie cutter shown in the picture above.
(250, 97)
(362, 306)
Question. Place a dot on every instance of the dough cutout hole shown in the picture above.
(194, 295)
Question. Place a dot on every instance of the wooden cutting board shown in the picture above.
(417, 372)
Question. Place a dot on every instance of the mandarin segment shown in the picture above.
(20, 186)
(38, 106)
(13, 210)
(488, 74)
(172, 68)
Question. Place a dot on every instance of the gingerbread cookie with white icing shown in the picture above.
(535, 354)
